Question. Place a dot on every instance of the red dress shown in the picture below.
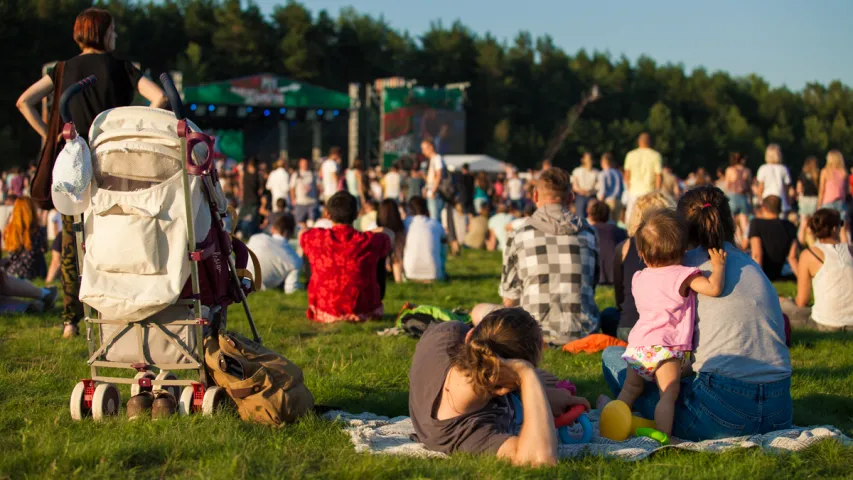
(343, 285)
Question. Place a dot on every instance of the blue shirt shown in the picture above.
(611, 183)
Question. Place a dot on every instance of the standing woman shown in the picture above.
(773, 177)
(833, 183)
(25, 242)
(807, 188)
(737, 181)
(118, 80)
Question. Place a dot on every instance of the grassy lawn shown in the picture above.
(349, 366)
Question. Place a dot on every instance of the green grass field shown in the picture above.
(349, 366)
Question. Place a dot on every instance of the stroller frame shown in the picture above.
(97, 396)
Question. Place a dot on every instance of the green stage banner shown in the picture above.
(266, 91)
(413, 114)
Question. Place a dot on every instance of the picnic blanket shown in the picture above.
(392, 436)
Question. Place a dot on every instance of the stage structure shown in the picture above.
(270, 116)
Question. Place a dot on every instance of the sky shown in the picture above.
(786, 42)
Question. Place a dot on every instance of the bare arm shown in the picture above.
(29, 100)
(800, 188)
(822, 188)
(658, 181)
(152, 93)
(804, 279)
(792, 259)
(536, 444)
(755, 249)
(713, 285)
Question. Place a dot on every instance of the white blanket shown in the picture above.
(392, 436)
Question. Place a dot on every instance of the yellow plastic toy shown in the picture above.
(617, 423)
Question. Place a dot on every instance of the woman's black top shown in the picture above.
(631, 265)
(115, 87)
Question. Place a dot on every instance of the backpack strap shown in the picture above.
(243, 253)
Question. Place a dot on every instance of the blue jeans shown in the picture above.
(711, 406)
(581, 202)
(738, 203)
(838, 205)
(435, 206)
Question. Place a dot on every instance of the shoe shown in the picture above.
(164, 405)
(139, 404)
(70, 331)
(49, 300)
(35, 306)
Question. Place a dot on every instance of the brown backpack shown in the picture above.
(266, 387)
(40, 184)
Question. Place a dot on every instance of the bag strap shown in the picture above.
(243, 254)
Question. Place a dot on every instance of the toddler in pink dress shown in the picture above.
(665, 294)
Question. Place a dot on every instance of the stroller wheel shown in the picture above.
(134, 388)
(167, 375)
(185, 402)
(78, 406)
(214, 397)
(105, 401)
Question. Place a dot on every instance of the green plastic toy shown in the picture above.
(661, 437)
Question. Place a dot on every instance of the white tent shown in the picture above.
(477, 163)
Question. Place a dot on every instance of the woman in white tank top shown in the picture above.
(827, 269)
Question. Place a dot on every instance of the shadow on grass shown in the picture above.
(807, 338)
(821, 408)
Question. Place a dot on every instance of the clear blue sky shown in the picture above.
(788, 42)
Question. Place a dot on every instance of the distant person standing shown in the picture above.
(436, 172)
(355, 182)
(515, 190)
(415, 184)
(303, 194)
(737, 183)
(833, 188)
(609, 235)
(610, 187)
(278, 183)
(772, 241)
(249, 210)
(773, 177)
(392, 184)
(807, 189)
(643, 170)
(584, 184)
(466, 190)
(330, 171)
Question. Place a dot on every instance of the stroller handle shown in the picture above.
(70, 92)
(173, 95)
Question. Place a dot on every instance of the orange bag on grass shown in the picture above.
(593, 343)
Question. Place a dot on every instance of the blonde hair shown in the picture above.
(644, 204)
(21, 227)
(834, 159)
(773, 154)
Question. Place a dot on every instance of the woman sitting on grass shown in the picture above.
(743, 380)
(25, 242)
(825, 268)
(458, 387)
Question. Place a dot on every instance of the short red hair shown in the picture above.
(90, 28)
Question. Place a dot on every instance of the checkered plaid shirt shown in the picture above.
(553, 275)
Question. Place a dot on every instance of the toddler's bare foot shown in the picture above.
(601, 401)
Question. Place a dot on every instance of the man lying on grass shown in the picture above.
(458, 387)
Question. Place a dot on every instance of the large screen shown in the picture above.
(411, 115)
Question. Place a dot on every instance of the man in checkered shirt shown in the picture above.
(550, 264)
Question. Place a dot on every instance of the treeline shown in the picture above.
(520, 90)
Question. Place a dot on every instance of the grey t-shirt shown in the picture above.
(482, 431)
(741, 333)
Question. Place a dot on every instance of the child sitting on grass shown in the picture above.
(665, 293)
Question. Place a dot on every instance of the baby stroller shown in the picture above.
(157, 272)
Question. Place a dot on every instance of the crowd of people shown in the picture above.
(691, 261)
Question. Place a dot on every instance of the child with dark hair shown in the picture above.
(665, 293)
(609, 235)
(343, 284)
(459, 384)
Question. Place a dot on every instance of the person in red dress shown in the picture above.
(343, 284)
